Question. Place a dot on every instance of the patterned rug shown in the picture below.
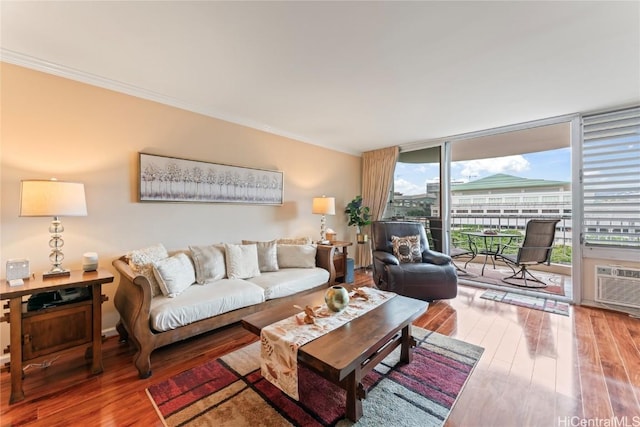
(536, 303)
(230, 391)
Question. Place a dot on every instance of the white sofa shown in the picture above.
(164, 297)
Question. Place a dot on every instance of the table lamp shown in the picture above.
(53, 198)
(323, 206)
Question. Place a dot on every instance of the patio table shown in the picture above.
(487, 246)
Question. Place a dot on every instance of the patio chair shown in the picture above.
(455, 251)
(535, 250)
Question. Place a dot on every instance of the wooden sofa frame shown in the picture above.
(133, 302)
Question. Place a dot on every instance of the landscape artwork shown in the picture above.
(169, 179)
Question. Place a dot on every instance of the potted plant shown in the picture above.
(359, 216)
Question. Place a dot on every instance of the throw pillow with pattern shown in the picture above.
(407, 248)
(141, 262)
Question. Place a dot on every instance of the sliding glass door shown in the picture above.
(494, 181)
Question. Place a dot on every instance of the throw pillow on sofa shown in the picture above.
(267, 255)
(242, 261)
(141, 262)
(294, 241)
(209, 262)
(174, 274)
(297, 256)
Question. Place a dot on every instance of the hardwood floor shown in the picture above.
(538, 369)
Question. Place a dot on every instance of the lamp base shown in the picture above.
(56, 273)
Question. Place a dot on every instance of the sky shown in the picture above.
(554, 165)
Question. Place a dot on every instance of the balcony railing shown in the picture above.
(508, 223)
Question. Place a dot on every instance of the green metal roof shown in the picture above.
(502, 180)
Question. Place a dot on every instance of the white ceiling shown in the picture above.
(351, 76)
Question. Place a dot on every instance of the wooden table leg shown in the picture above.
(354, 402)
(15, 325)
(407, 343)
(96, 360)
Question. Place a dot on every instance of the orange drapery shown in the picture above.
(377, 176)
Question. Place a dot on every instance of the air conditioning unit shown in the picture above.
(618, 285)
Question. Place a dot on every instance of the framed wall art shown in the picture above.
(170, 179)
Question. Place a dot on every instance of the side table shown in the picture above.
(340, 259)
(37, 333)
(488, 245)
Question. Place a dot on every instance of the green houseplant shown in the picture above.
(359, 216)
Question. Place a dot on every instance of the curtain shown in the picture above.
(377, 177)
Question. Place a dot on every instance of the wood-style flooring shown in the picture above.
(538, 369)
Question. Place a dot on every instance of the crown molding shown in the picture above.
(91, 79)
(38, 64)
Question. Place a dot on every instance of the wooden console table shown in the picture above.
(41, 332)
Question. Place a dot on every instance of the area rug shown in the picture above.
(556, 283)
(536, 303)
(230, 391)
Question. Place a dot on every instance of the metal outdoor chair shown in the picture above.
(435, 230)
(535, 249)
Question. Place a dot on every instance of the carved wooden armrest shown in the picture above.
(324, 259)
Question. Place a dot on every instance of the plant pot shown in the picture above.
(362, 238)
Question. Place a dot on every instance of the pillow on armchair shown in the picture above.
(407, 248)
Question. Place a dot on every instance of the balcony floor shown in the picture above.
(559, 286)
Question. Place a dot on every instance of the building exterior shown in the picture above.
(497, 201)
(418, 205)
(508, 202)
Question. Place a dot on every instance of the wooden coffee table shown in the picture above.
(345, 355)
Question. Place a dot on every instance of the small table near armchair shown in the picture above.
(488, 247)
(340, 259)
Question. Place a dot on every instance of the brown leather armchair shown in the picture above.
(433, 277)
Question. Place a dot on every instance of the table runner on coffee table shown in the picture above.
(281, 340)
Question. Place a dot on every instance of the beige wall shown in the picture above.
(55, 127)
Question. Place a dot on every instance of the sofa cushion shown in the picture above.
(267, 255)
(209, 262)
(201, 302)
(297, 256)
(174, 274)
(294, 241)
(288, 281)
(141, 262)
(407, 248)
(241, 261)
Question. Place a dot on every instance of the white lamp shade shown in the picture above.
(324, 205)
(52, 198)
